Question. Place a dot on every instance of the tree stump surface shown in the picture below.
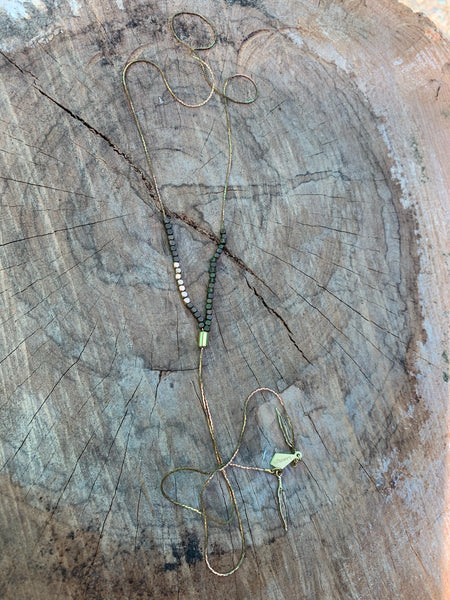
(332, 292)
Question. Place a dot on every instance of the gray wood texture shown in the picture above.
(333, 293)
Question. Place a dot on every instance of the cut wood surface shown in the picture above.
(332, 292)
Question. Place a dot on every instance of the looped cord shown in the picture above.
(222, 470)
(201, 17)
(208, 75)
(283, 418)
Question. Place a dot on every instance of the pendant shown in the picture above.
(280, 460)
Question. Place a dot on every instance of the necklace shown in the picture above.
(204, 319)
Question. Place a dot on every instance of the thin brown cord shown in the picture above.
(283, 418)
(222, 470)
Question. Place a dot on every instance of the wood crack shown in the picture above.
(278, 316)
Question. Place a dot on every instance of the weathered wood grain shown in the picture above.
(333, 292)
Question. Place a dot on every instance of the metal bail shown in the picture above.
(203, 339)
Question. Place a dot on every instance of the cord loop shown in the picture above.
(222, 470)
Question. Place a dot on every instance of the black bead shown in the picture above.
(190, 304)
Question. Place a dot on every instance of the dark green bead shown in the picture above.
(207, 328)
(207, 322)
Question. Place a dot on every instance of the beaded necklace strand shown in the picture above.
(279, 460)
